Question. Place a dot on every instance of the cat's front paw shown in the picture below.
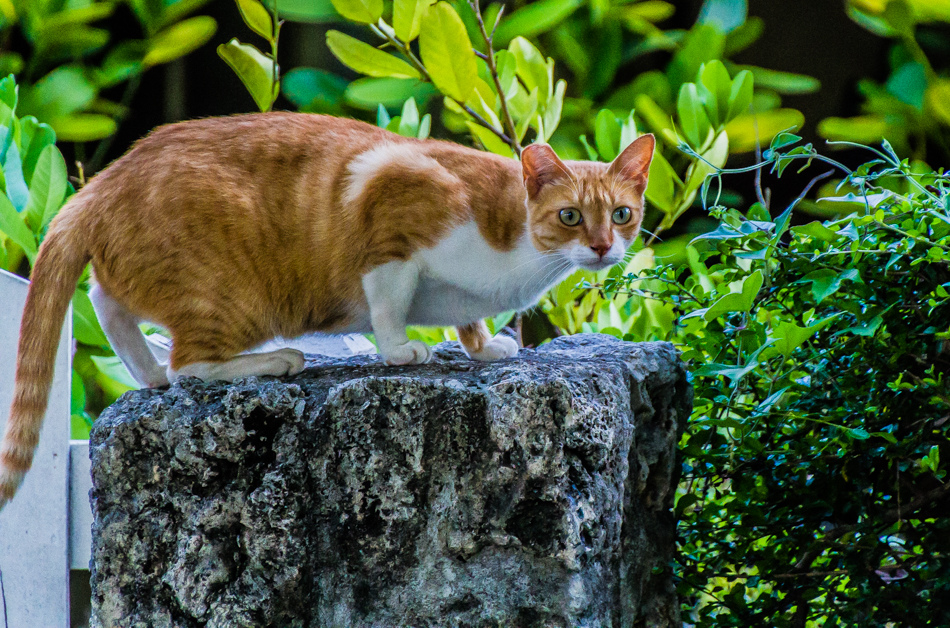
(498, 348)
(288, 361)
(412, 352)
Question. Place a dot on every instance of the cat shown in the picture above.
(232, 231)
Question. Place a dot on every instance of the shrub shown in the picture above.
(813, 490)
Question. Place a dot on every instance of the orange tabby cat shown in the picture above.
(231, 231)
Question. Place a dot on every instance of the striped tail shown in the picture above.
(59, 264)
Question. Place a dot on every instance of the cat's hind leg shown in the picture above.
(389, 291)
(277, 363)
(128, 342)
(479, 344)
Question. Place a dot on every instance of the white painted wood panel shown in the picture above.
(34, 539)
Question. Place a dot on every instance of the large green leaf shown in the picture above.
(715, 87)
(113, 368)
(314, 91)
(534, 19)
(254, 68)
(692, 115)
(365, 59)
(86, 327)
(531, 66)
(661, 184)
(179, 39)
(740, 301)
(407, 17)
(789, 336)
(13, 179)
(34, 137)
(363, 11)
(867, 129)
(369, 93)
(83, 127)
(257, 18)
(607, 134)
(12, 225)
(312, 11)
(47, 187)
(63, 91)
(447, 52)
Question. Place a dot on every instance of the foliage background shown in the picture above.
(813, 491)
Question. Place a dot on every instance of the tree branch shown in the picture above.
(493, 69)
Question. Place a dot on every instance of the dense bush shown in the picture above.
(813, 491)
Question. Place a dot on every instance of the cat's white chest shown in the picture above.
(463, 278)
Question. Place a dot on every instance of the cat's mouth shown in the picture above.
(599, 264)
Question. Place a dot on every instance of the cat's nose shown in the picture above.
(600, 248)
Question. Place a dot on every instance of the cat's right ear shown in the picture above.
(540, 166)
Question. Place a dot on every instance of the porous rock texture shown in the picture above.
(535, 491)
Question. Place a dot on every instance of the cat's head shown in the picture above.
(588, 211)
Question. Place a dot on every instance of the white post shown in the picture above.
(34, 527)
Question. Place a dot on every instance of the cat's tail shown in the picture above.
(59, 264)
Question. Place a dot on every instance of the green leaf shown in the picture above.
(112, 367)
(86, 327)
(179, 39)
(174, 11)
(83, 127)
(310, 11)
(661, 188)
(825, 282)
(313, 90)
(254, 68)
(787, 83)
(816, 230)
(257, 17)
(607, 134)
(789, 336)
(63, 91)
(531, 66)
(362, 11)
(858, 433)
(867, 129)
(447, 53)
(715, 88)
(367, 60)
(11, 224)
(725, 15)
(34, 137)
(77, 396)
(369, 93)
(409, 120)
(407, 17)
(692, 115)
(15, 184)
(740, 301)
(47, 188)
(534, 19)
(740, 95)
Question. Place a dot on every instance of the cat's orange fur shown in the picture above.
(231, 231)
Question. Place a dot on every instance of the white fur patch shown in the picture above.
(365, 166)
(464, 278)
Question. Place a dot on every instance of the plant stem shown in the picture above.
(493, 69)
(418, 65)
(275, 38)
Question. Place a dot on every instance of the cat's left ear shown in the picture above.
(633, 164)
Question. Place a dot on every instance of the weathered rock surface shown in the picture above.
(536, 491)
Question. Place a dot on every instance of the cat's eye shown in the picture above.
(621, 215)
(570, 217)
